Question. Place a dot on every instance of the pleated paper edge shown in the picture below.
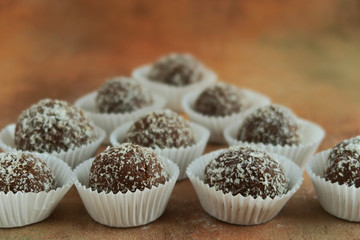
(20, 200)
(340, 201)
(87, 195)
(291, 169)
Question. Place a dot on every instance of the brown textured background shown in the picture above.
(303, 54)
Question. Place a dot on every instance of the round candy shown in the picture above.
(52, 125)
(127, 167)
(344, 163)
(23, 172)
(121, 94)
(246, 171)
(271, 124)
(177, 70)
(219, 100)
(162, 129)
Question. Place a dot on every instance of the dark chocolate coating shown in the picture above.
(219, 100)
(176, 70)
(344, 163)
(52, 125)
(121, 95)
(246, 171)
(23, 172)
(127, 167)
(162, 129)
(271, 124)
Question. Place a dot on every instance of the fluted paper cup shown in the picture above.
(128, 209)
(341, 201)
(239, 209)
(310, 133)
(20, 209)
(110, 121)
(72, 157)
(172, 94)
(216, 125)
(182, 156)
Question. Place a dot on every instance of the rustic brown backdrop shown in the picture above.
(303, 54)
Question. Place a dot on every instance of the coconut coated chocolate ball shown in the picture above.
(162, 129)
(52, 125)
(121, 95)
(176, 70)
(246, 171)
(127, 167)
(219, 100)
(343, 164)
(271, 124)
(24, 172)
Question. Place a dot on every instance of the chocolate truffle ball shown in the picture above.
(271, 124)
(52, 125)
(127, 167)
(121, 94)
(177, 70)
(162, 129)
(24, 172)
(343, 164)
(219, 100)
(246, 171)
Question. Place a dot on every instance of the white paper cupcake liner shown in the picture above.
(341, 201)
(181, 156)
(110, 121)
(125, 210)
(72, 157)
(311, 136)
(216, 125)
(172, 94)
(238, 209)
(21, 208)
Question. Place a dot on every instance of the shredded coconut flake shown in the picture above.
(23, 172)
(127, 167)
(52, 125)
(176, 69)
(271, 124)
(162, 129)
(246, 171)
(344, 163)
(121, 94)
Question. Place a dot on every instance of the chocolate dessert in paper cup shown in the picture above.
(124, 208)
(247, 101)
(242, 207)
(117, 101)
(27, 207)
(173, 76)
(308, 138)
(337, 197)
(182, 156)
(54, 127)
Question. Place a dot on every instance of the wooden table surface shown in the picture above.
(305, 56)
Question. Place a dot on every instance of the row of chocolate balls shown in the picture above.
(46, 111)
(229, 183)
(227, 101)
(59, 128)
(122, 99)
